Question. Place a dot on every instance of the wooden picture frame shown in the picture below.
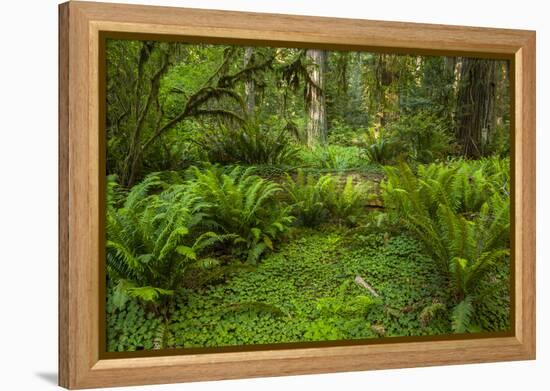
(81, 164)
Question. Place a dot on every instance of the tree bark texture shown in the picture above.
(475, 105)
(249, 87)
(317, 119)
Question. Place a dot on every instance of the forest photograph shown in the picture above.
(269, 195)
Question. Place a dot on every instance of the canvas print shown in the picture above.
(270, 195)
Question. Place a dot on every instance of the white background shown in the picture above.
(28, 194)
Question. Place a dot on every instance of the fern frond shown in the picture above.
(462, 314)
(148, 293)
(122, 261)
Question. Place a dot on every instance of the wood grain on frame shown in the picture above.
(81, 165)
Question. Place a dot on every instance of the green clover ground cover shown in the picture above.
(306, 292)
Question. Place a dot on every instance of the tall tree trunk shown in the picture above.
(142, 110)
(450, 64)
(249, 87)
(475, 105)
(317, 123)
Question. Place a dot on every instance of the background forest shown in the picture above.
(265, 195)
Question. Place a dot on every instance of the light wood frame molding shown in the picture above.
(80, 167)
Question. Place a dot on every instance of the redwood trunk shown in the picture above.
(475, 105)
(317, 123)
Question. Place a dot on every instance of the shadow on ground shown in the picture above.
(49, 377)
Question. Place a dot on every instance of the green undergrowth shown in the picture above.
(307, 291)
(277, 172)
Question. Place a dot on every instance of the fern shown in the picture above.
(346, 205)
(461, 214)
(466, 274)
(244, 208)
(306, 198)
(163, 337)
(153, 238)
(148, 293)
(316, 201)
(333, 157)
(462, 314)
(379, 148)
(251, 143)
(442, 213)
(115, 193)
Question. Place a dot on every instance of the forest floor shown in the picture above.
(307, 291)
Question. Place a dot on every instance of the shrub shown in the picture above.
(499, 142)
(249, 144)
(425, 136)
(342, 134)
(242, 205)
